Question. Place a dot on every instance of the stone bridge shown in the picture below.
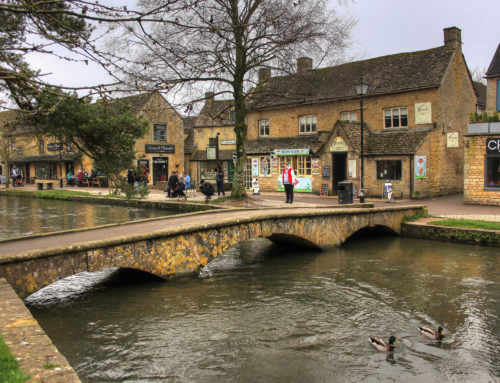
(185, 246)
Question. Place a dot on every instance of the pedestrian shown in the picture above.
(219, 179)
(131, 178)
(289, 181)
(13, 175)
(187, 181)
(172, 183)
(207, 189)
(69, 177)
(145, 177)
(179, 191)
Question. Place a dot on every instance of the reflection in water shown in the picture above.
(27, 216)
(259, 314)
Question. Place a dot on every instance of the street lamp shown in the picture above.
(361, 89)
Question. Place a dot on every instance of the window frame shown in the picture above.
(301, 165)
(351, 112)
(399, 117)
(313, 123)
(496, 158)
(264, 124)
(393, 174)
(157, 136)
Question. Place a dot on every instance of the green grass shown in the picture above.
(468, 224)
(50, 366)
(414, 217)
(9, 369)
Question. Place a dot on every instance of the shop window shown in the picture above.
(349, 116)
(159, 132)
(263, 127)
(46, 170)
(265, 166)
(300, 164)
(493, 172)
(388, 170)
(396, 118)
(307, 124)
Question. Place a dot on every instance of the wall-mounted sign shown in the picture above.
(315, 165)
(228, 142)
(493, 145)
(54, 146)
(211, 153)
(420, 167)
(291, 152)
(423, 114)
(338, 145)
(452, 140)
(274, 165)
(351, 168)
(160, 149)
(326, 172)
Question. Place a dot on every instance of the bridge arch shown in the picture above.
(186, 249)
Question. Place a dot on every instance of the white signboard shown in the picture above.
(211, 153)
(423, 113)
(338, 145)
(291, 152)
(452, 140)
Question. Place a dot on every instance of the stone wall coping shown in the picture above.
(193, 227)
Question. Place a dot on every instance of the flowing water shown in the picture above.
(28, 216)
(263, 314)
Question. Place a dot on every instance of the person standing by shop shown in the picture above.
(219, 178)
(288, 178)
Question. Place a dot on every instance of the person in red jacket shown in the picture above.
(288, 178)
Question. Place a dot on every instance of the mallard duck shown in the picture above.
(431, 333)
(380, 345)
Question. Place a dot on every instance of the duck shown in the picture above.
(432, 333)
(381, 345)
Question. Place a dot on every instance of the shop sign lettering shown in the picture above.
(493, 145)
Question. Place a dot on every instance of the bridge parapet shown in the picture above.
(187, 248)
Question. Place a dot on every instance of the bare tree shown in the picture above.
(222, 44)
(478, 75)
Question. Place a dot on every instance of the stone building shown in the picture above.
(416, 112)
(482, 147)
(214, 140)
(46, 160)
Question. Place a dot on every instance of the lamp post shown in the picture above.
(361, 89)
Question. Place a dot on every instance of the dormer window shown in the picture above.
(307, 124)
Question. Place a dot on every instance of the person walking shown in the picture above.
(219, 179)
(288, 178)
(187, 182)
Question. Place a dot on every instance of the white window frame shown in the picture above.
(349, 115)
(307, 124)
(157, 137)
(263, 128)
(395, 113)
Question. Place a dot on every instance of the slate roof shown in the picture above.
(215, 113)
(136, 102)
(313, 142)
(494, 68)
(385, 75)
(480, 90)
(188, 123)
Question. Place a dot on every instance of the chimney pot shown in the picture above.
(304, 64)
(264, 75)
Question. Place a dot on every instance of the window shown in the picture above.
(159, 132)
(46, 170)
(300, 164)
(264, 166)
(493, 172)
(388, 170)
(69, 146)
(13, 145)
(307, 124)
(349, 116)
(42, 147)
(263, 127)
(396, 117)
(232, 116)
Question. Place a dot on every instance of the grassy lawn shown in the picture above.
(468, 223)
(9, 369)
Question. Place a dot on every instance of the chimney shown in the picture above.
(453, 37)
(264, 75)
(209, 97)
(304, 65)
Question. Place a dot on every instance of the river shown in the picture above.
(28, 216)
(263, 314)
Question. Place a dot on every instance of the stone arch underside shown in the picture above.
(171, 255)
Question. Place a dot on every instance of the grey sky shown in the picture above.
(384, 27)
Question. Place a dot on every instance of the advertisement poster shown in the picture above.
(315, 166)
(420, 167)
(264, 166)
(423, 113)
(274, 165)
(304, 185)
(255, 167)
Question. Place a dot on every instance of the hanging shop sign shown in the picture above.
(211, 153)
(338, 145)
(291, 152)
(493, 145)
(160, 148)
(420, 167)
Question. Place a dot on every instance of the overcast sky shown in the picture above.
(383, 27)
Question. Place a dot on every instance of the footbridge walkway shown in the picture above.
(182, 244)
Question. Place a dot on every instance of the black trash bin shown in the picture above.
(345, 192)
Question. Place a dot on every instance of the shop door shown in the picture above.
(339, 169)
(160, 169)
